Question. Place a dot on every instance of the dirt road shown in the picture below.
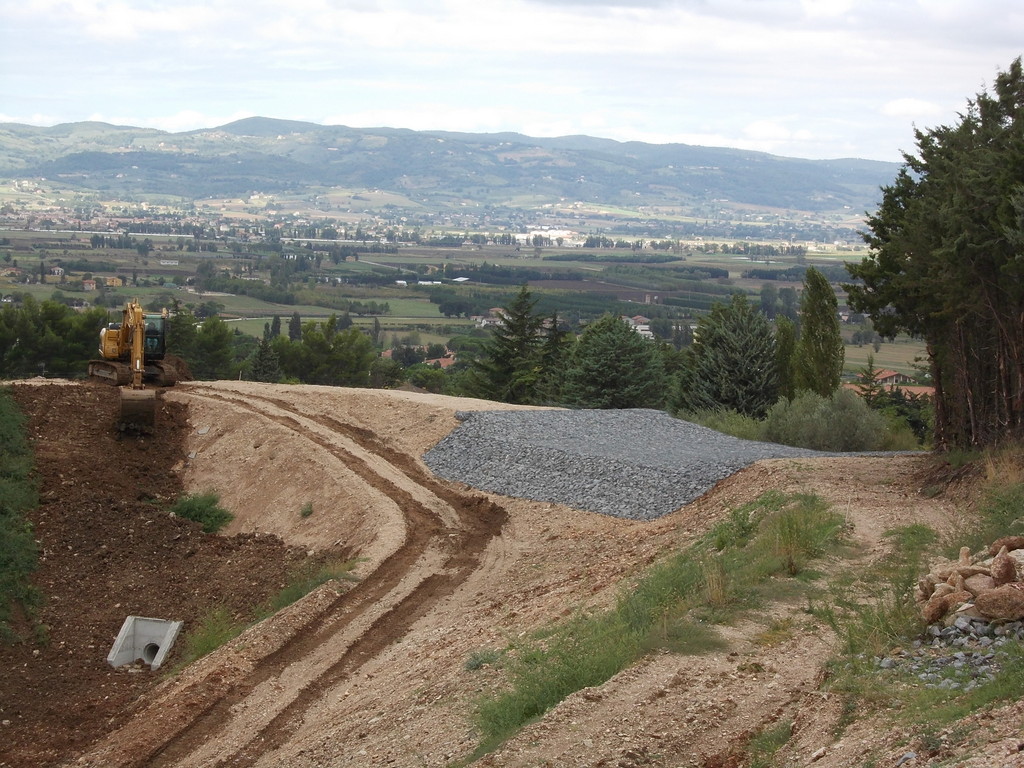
(374, 673)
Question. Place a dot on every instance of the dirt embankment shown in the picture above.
(375, 674)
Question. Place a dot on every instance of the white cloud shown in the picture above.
(818, 78)
(912, 109)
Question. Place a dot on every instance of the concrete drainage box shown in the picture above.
(142, 638)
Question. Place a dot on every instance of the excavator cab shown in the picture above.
(132, 354)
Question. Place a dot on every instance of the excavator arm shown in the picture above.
(128, 356)
(138, 405)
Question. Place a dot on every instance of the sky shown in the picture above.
(815, 79)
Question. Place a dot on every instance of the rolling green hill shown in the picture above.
(438, 168)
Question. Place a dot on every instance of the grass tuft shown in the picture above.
(218, 626)
(215, 628)
(203, 508)
(762, 746)
(309, 577)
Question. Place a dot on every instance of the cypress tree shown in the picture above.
(785, 345)
(295, 327)
(819, 353)
(945, 264)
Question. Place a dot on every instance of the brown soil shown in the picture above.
(374, 673)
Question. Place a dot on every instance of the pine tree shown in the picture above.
(612, 366)
(213, 350)
(507, 369)
(553, 357)
(732, 363)
(265, 364)
(819, 353)
(275, 327)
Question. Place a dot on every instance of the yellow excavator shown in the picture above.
(132, 355)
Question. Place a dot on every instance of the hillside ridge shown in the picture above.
(269, 155)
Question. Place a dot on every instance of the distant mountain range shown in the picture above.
(433, 168)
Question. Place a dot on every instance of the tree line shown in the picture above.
(739, 359)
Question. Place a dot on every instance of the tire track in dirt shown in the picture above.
(445, 540)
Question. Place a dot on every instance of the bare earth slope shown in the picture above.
(373, 673)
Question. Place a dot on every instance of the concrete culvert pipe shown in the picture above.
(141, 638)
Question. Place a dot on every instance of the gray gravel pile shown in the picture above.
(638, 463)
(961, 656)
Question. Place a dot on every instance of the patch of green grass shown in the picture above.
(728, 422)
(203, 508)
(307, 509)
(1000, 513)
(673, 606)
(215, 628)
(763, 745)
(875, 611)
(18, 551)
(306, 579)
(218, 626)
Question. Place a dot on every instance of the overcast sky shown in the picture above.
(801, 78)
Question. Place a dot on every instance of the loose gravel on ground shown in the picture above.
(638, 464)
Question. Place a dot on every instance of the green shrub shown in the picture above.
(842, 422)
(307, 509)
(203, 508)
(483, 658)
(728, 422)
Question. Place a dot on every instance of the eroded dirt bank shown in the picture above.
(375, 674)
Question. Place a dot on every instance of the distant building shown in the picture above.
(640, 324)
(88, 285)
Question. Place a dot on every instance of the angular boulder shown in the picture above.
(1004, 603)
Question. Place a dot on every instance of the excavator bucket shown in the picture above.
(138, 410)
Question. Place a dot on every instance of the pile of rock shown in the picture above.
(987, 586)
(961, 656)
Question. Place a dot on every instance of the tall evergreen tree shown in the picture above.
(507, 369)
(552, 359)
(818, 357)
(785, 347)
(275, 327)
(946, 264)
(612, 366)
(295, 327)
(265, 365)
(732, 363)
